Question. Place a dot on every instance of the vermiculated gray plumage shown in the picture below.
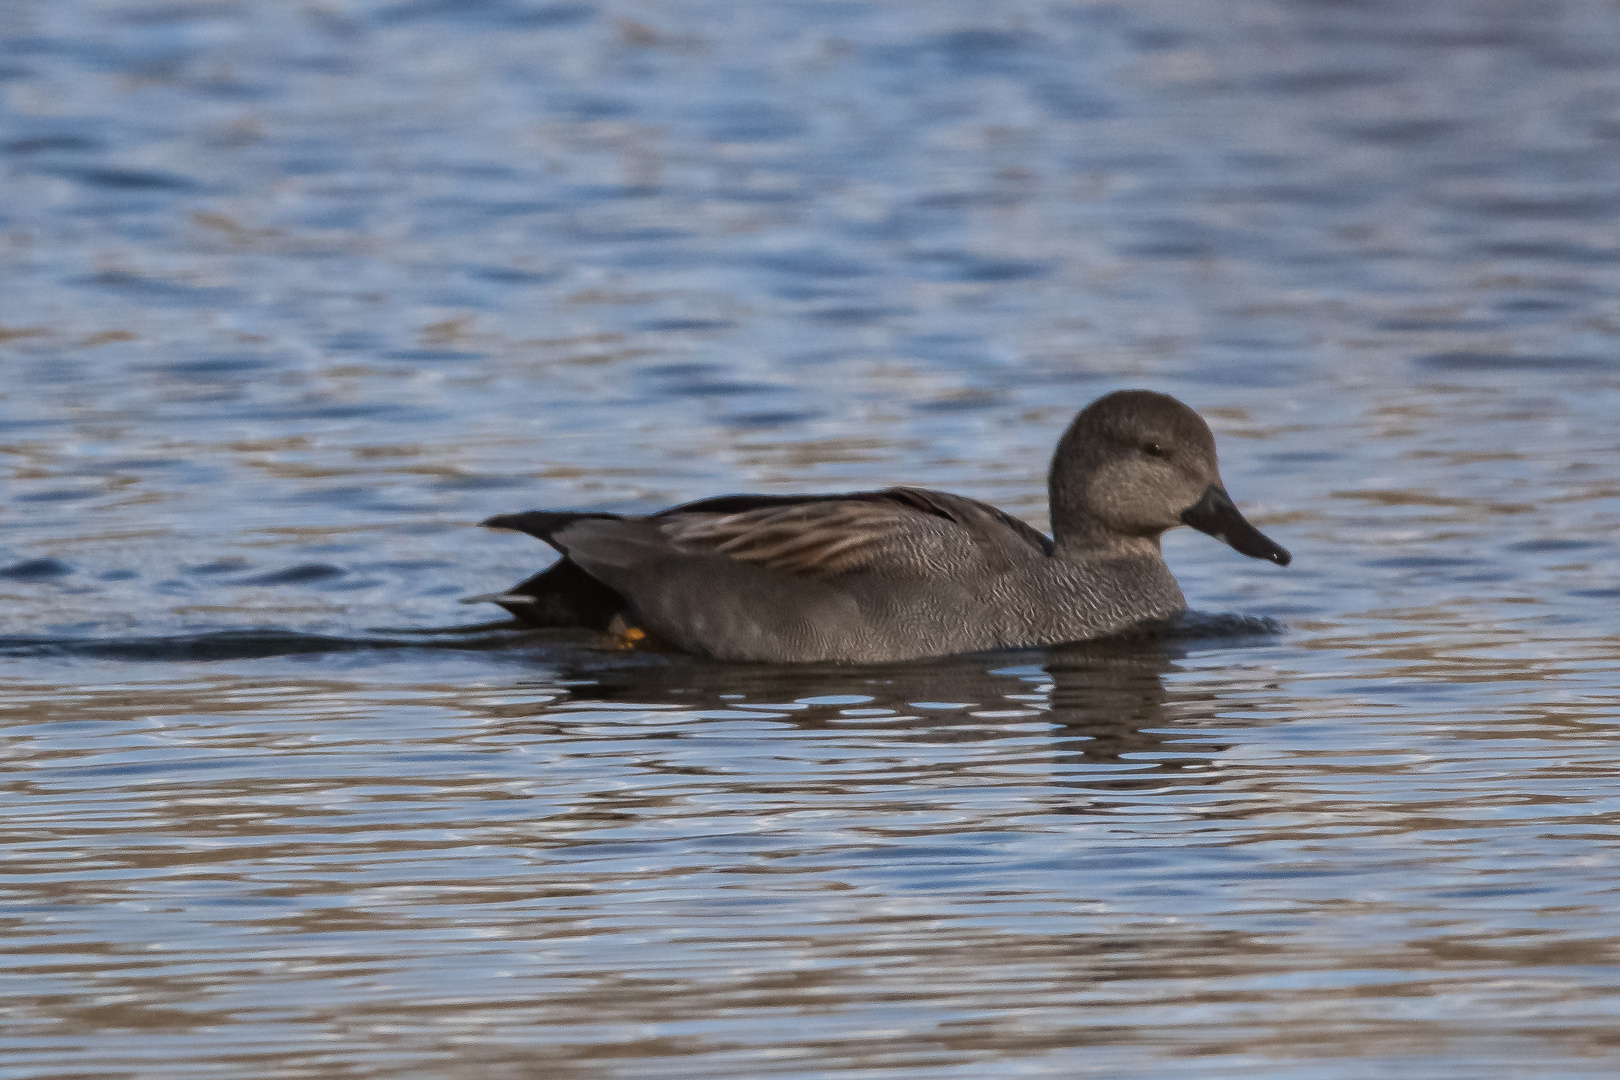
(905, 572)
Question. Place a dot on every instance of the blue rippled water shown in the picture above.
(297, 293)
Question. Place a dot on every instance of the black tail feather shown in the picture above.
(562, 594)
(542, 523)
(565, 595)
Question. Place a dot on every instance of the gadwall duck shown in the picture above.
(875, 576)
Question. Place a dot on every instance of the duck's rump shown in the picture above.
(562, 595)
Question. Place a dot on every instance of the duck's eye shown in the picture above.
(1153, 449)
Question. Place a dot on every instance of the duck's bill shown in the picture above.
(1217, 515)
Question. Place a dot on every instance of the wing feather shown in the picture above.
(829, 536)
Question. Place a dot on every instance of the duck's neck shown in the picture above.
(1078, 535)
(1079, 544)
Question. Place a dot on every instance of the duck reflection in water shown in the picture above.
(1107, 702)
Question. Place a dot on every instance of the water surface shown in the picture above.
(296, 293)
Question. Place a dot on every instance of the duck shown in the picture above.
(901, 573)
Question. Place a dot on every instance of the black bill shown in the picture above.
(1217, 515)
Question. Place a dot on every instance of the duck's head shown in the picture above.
(1135, 463)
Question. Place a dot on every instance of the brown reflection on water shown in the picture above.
(678, 866)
